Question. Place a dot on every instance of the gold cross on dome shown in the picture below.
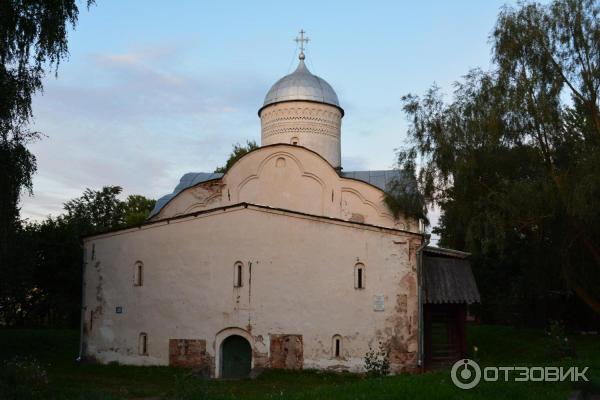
(301, 40)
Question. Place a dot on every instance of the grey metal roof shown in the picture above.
(380, 179)
(448, 279)
(301, 85)
(188, 180)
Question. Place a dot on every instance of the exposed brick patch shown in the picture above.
(401, 303)
(207, 192)
(286, 352)
(402, 361)
(189, 353)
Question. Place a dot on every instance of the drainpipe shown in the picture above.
(83, 265)
(426, 239)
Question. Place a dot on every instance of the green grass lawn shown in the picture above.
(56, 351)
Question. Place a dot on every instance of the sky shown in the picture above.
(152, 90)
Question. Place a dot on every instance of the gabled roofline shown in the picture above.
(285, 145)
(181, 191)
(257, 149)
(249, 205)
(442, 251)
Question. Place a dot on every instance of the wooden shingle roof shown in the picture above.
(447, 277)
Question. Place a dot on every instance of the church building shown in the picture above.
(286, 260)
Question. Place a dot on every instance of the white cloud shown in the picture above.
(131, 120)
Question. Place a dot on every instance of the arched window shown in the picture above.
(336, 346)
(238, 274)
(138, 274)
(143, 344)
(359, 276)
(294, 141)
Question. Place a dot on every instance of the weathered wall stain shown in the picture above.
(190, 353)
(286, 352)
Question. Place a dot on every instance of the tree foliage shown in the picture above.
(96, 210)
(403, 195)
(513, 159)
(33, 40)
(137, 208)
(238, 152)
(17, 166)
(43, 285)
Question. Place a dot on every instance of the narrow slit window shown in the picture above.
(143, 344)
(238, 275)
(359, 276)
(138, 279)
(337, 346)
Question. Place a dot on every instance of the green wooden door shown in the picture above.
(236, 356)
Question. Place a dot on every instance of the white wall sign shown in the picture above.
(379, 304)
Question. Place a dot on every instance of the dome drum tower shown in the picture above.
(313, 125)
(303, 109)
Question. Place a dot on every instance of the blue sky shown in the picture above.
(153, 90)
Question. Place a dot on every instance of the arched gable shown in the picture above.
(289, 177)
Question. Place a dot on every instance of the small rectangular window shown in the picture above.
(337, 347)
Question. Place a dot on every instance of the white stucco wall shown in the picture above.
(302, 282)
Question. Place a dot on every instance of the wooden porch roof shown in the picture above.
(447, 277)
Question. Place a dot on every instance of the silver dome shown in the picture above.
(301, 85)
